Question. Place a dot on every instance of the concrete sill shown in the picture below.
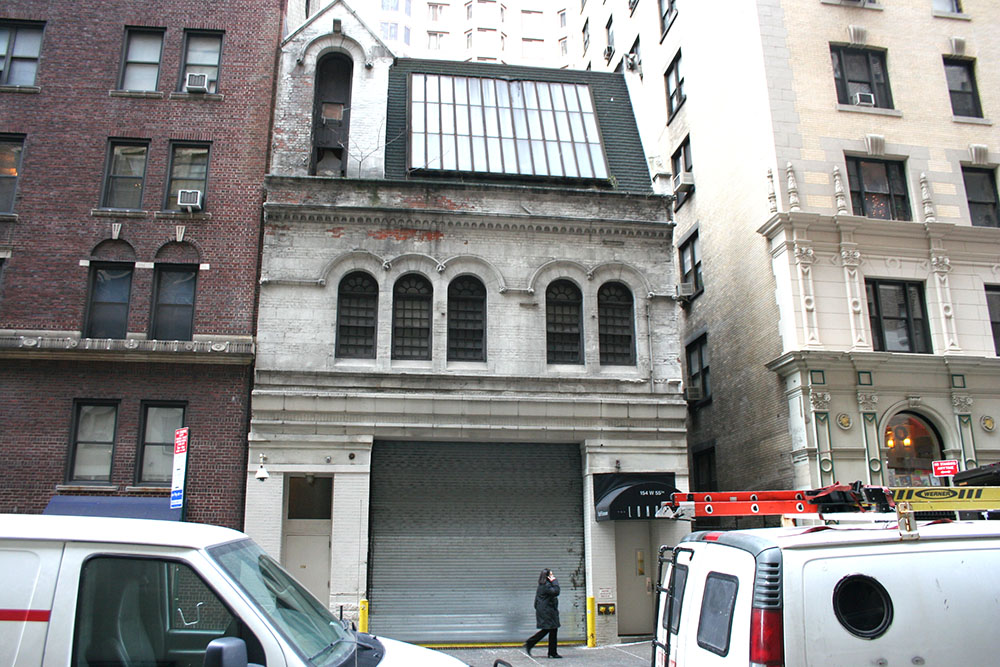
(872, 110)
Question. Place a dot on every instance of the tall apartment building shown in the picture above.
(468, 359)
(133, 141)
(835, 167)
(516, 32)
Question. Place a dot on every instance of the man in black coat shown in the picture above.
(546, 612)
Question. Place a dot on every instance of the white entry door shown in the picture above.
(308, 526)
(635, 564)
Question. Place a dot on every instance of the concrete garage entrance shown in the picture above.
(460, 532)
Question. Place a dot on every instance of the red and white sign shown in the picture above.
(945, 468)
(180, 468)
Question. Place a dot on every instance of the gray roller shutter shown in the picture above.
(460, 532)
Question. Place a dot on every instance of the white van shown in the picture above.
(85, 591)
(829, 596)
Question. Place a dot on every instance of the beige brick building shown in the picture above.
(835, 162)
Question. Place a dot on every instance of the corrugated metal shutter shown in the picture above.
(459, 533)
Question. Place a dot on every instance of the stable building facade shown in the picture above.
(467, 364)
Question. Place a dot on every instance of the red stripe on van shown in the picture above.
(39, 615)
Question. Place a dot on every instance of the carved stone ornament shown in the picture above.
(850, 256)
(988, 423)
(875, 145)
(914, 401)
(980, 154)
(857, 34)
(957, 46)
(838, 190)
(804, 254)
(772, 198)
(941, 264)
(867, 402)
(820, 400)
(793, 188)
(844, 421)
(962, 404)
(925, 197)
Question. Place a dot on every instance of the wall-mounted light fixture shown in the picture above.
(262, 473)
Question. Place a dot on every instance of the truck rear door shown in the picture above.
(28, 572)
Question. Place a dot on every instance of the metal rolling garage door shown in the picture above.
(460, 532)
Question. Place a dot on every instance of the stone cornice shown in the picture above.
(340, 216)
(52, 345)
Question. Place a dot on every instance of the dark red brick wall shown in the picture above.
(67, 125)
(37, 419)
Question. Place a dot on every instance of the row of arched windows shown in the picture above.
(357, 320)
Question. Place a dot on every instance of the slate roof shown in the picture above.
(616, 119)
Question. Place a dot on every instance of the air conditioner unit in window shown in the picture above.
(863, 99)
(683, 182)
(196, 83)
(685, 289)
(631, 61)
(608, 52)
(693, 394)
(189, 199)
(632, 3)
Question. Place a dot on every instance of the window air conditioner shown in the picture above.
(196, 83)
(608, 52)
(632, 3)
(683, 182)
(863, 99)
(631, 61)
(692, 394)
(685, 289)
(189, 199)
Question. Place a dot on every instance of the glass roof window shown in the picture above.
(496, 126)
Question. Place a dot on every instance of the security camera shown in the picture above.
(261, 474)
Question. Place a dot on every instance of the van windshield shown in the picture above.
(308, 626)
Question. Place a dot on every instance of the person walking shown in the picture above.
(546, 612)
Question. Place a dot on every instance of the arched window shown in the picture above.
(332, 115)
(911, 443)
(564, 323)
(411, 318)
(357, 316)
(616, 325)
(466, 320)
(173, 301)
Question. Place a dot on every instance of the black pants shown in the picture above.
(537, 637)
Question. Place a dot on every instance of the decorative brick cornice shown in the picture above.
(42, 346)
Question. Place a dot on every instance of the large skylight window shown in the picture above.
(534, 128)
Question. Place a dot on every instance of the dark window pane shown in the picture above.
(173, 317)
(616, 325)
(411, 318)
(310, 497)
(10, 162)
(109, 300)
(357, 302)
(188, 171)
(993, 303)
(564, 323)
(158, 442)
(466, 320)
(125, 177)
(981, 192)
(896, 311)
(716, 621)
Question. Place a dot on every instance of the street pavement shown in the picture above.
(617, 655)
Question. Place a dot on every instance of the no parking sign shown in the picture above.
(180, 468)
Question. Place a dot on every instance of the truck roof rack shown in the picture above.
(834, 499)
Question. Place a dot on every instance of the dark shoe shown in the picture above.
(555, 656)
(527, 649)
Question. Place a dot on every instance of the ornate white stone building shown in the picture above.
(467, 356)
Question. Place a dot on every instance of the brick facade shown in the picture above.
(59, 228)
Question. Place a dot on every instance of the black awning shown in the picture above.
(114, 506)
(631, 495)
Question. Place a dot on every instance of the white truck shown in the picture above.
(881, 593)
(88, 592)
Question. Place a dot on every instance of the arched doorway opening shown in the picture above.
(911, 443)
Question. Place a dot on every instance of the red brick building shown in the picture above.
(133, 145)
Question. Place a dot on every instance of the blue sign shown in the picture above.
(176, 499)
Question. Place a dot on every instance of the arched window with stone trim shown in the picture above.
(911, 443)
(616, 324)
(563, 323)
(357, 316)
(411, 317)
(466, 319)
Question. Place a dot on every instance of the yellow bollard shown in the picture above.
(591, 624)
(363, 616)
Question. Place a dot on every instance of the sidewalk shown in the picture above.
(618, 655)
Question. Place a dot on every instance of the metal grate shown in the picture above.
(616, 325)
(411, 318)
(357, 302)
(564, 323)
(466, 320)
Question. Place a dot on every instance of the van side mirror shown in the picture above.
(226, 652)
